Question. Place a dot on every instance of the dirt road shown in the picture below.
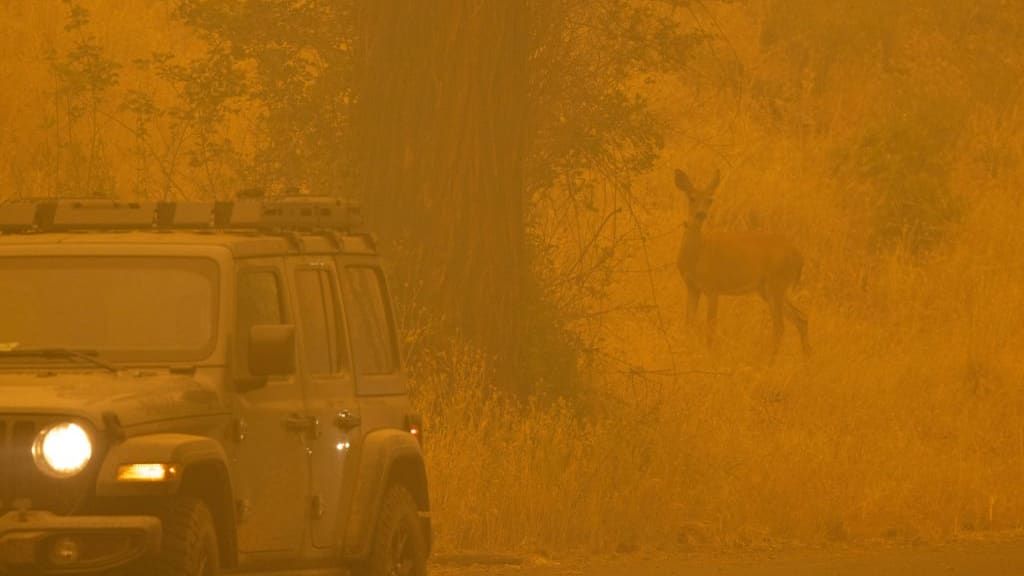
(974, 559)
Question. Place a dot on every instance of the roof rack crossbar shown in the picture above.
(300, 213)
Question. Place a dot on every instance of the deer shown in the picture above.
(736, 263)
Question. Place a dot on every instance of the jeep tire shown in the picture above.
(189, 545)
(398, 546)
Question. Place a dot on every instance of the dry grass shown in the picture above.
(907, 430)
(907, 424)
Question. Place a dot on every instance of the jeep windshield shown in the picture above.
(120, 309)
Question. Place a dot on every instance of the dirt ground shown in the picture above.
(965, 558)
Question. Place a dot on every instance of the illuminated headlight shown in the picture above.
(62, 450)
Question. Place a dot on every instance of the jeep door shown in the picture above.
(329, 392)
(272, 462)
(381, 385)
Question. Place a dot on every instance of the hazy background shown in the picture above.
(516, 160)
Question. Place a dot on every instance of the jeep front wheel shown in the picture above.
(399, 547)
(189, 540)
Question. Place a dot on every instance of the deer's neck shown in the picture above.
(689, 252)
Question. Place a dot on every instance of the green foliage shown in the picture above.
(84, 76)
(590, 118)
(898, 86)
(297, 59)
(552, 352)
(820, 34)
(906, 156)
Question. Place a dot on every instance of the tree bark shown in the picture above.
(441, 122)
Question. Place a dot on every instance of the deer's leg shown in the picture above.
(692, 299)
(799, 319)
(712, 318)
(777, 306)
(762, 291)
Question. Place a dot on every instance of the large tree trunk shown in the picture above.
(441, 125)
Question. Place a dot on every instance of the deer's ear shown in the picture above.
(715, 181)
(683, 182)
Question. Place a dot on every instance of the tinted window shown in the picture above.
(316, 335)
(343, 361)
(259, 299)
(369, 322)
(259, 302)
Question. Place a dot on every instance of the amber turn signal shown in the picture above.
(146, 472)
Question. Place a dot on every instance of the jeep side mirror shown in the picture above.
(271, 350)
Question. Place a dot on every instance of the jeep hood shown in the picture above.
(136, 399)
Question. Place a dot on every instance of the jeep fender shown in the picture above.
(202, 471)
(182, 450)
(387, 456)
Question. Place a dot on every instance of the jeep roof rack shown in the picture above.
(297, 213)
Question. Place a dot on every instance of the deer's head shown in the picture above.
(699, 198)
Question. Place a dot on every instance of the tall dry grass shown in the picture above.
(907, 423)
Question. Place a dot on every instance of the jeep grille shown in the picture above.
(20, 480)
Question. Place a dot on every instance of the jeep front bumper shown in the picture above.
(35, 542)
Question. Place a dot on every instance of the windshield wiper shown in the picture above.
(90, 356)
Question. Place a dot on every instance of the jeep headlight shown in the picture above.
(62, 450)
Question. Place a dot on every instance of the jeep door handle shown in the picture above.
(298, 423)
(346, 420)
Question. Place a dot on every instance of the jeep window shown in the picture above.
(259, 302)
(369, 322)
(320, 316)
(147, 309)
